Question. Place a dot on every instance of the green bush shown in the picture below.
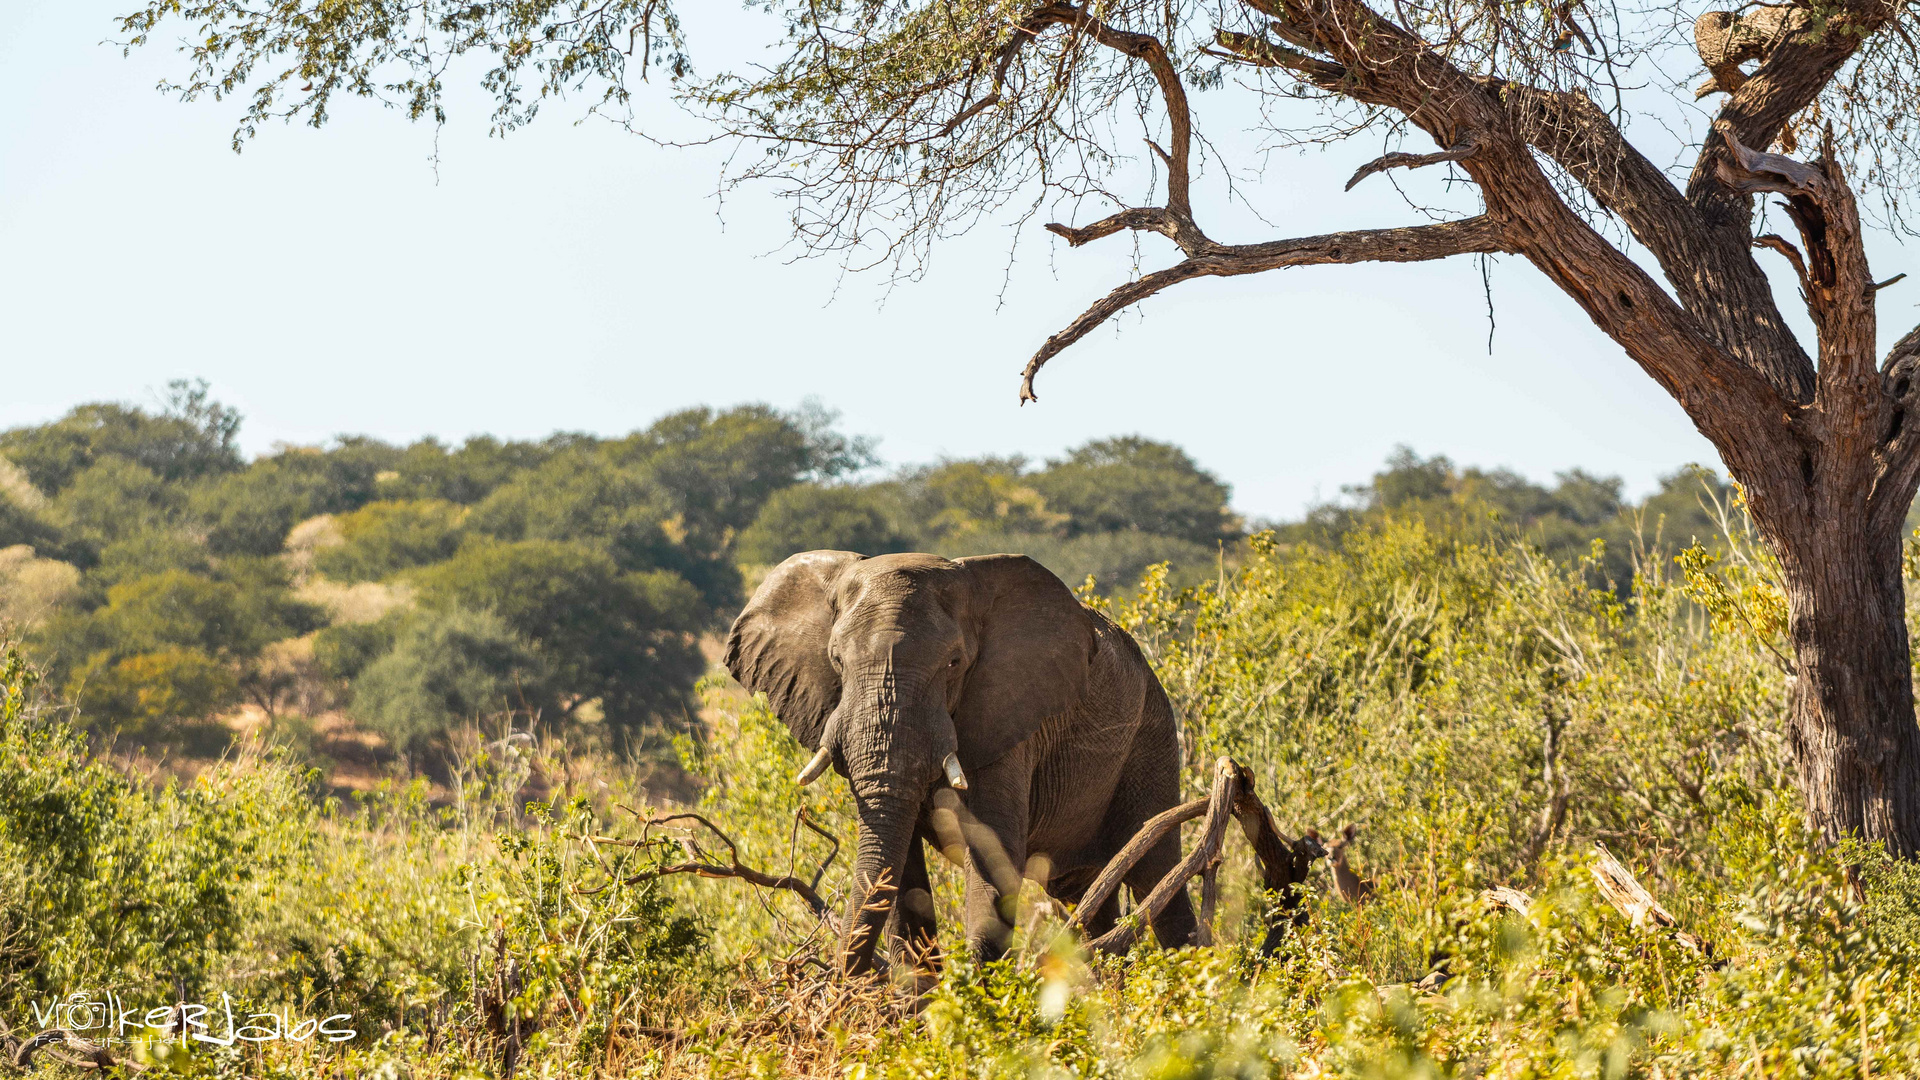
(391, 910)
(384, 538)
(110, 882)
(622, 639)
(812, 517)
(447, 667)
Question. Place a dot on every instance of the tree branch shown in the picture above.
(1024, 31)
(1457, 152)
(1173, 93)
(1834, 276)
(1259, 52)
(701, 864)
(1418, 243)
(1145, 218)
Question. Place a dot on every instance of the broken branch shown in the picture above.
(1219, 812)
(1143, 218)
(1283, 863)
(1626, 894)
(1752, 172)
(1116, 869)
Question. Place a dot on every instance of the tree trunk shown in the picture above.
(1852, 728)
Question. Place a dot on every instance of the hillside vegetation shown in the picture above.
(364, 599)
(174, 591)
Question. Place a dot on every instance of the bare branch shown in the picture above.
(1511, 898)
(1834, 276)
(701, 864)
(1145, 218)
(1419, 243)
(1776, 242)
(1026, 30)
(1136, 849)
(1213, 832)
(1258, 51)
(1457, 152)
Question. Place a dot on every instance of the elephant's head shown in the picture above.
(907, 671)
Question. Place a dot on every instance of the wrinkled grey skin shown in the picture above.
(1066, 736)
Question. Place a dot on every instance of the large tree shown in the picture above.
(906, 119)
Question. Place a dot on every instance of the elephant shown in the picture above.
(973, 703)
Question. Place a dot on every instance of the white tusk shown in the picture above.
(954, 776)
(815, 767)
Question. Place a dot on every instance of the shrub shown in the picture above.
(384, 538)
(446, 667)
(810, 517)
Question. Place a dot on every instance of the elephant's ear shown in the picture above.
(1034, 652)
(778, 645)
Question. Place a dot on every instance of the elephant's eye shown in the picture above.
(955, 662)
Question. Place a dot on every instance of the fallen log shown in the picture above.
(1283, 863)
(1631, 899)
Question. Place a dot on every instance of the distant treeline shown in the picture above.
(164, 581)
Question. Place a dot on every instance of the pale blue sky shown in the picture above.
(575, 277)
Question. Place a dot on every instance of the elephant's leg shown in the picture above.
(1104, 919)
(995, 827)
(915, 927)
(1176, 922)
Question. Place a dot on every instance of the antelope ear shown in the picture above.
(778, 645)
(1033, 653)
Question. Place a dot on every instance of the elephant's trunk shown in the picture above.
(886, 830)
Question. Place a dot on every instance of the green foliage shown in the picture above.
(188, 560)
(170, 649)
(1115, 562)
(1466, 693)
(429, 470)
(192, 437)
(1482, 711)
(954, 502)
(345, 650)
(111, 882)
(718, 469)
(250, 512)
(384, 538)
(447, 666)
(812, 517)
(158, 695)
(1131, 483)
(606, 946)
(389, 910)
(1692, 506)
(622, 639)
(115, 499)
